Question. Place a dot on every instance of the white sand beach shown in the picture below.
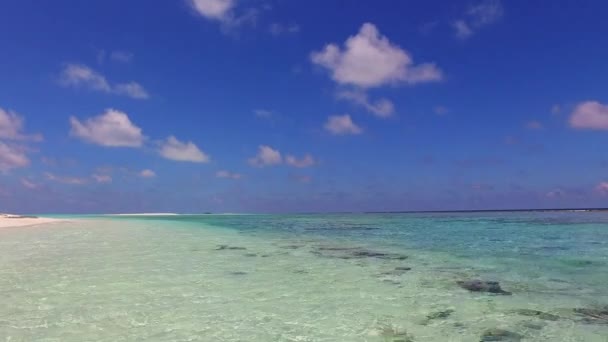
(10, 220)
(144, 214)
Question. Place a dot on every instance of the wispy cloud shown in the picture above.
(101, 178)
(12, 126)
(173, 149)
(29, 184)
(66, 180)
(306, 161)
(602, 188)
(382, 107)
(81, 76)
(590, 115)
(13, 141)
(477, 16)
(369, 59)
(263, 113)
(113, 128)
(228, 174)
(278, 29)
(342, 125)
(441, 110)
(121, 56)
(147, 173)
(534, 125)
(12, 157)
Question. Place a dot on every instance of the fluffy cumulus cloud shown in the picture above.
(477, 16)
(266, 156)
(306, 161)
(173, 149)
(113, 128)
(590, 115)
(342, 125)
(213, 9)
(81, 76)
(147, 173)
(224, 11)
(228, 174)
(369, 59)
(382, 108)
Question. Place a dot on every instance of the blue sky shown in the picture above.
(285, 106)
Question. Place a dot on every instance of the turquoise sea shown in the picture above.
(334, 277)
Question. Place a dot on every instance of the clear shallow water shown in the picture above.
(304, 278)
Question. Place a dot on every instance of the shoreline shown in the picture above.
(14, 221)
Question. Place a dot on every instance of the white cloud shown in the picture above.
(266, 156)
(121, 56)
(11, 127)
(12, 157)
(463, 31)
(131, 89)
(263, 113)
(147, 173)
(112, 128)
(102, 178)
(479, 15)
(590, 115)
(176, 150)
(602, 188)
(228, 174)
(78, 75)
(342, 125)
(28, 184)
(371, 60)
(277, 29)
(223, 11)
(382, 107)
(305, 161)
(66, 180)
(486, 12)
(213, 9)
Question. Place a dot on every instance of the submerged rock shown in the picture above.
(440, 314)
(223, 247)
(491, 335)
(402, 268)
(398, 271)
(593, 316)
(356, 253)
(477, 285)
(535, 313)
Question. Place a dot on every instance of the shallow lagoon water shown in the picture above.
(339, 277)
